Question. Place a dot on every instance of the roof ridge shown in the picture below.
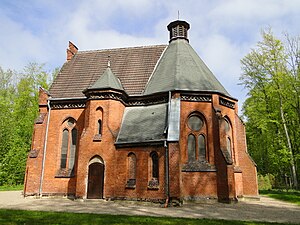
(121, 48)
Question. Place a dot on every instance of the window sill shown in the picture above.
(33, 153)
(130, 184)
(197, 166)
(64, 173)
(153, 184)
(97, 137)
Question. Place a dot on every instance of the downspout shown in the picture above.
(167, 158)
(167, 175)
(45, 149)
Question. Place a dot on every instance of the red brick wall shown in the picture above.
(227, 182)
(249, 173)
(34, 165)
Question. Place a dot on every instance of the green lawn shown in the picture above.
(12, 188)
(22, 217)
(288, 196)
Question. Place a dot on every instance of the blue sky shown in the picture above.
(222, 31)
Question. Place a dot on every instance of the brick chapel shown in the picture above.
(145, 123)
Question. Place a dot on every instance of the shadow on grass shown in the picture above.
(18, 217)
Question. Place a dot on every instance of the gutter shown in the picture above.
(45, 150)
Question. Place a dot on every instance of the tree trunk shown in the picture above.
(292, 161)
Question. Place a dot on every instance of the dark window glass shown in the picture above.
(154, 158)
(71, 122)
(64, 149)
(191, 148)
(73, 149)
(202, 147)
(99, 127)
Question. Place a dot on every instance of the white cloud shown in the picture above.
(222, 32)
(18, 46)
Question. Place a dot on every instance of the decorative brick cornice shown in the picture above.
(226, 103)
(196, 98)
(67, 104)
(109, 95)
(142, 101)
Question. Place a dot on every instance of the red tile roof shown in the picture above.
(133, 66)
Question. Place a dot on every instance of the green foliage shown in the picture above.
(272, 110)
(265, 182)
(35, 217)
(18, 110)
(18, 187)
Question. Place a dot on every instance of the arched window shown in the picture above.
(154, 171)
(191, 148)
(68, 148)
(154, 158)
(228, 136)
(196, 141)
(99, 124)
(64, 148)
(201, 147)
(99, 127)
(131, 171)
(131, 166)
(73, 148)
(228, 145)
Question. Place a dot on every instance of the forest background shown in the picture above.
(271, 112)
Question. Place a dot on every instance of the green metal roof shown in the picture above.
(143, 124)
(107, 80)
(180, 68)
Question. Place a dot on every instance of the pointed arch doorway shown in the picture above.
(95, 178)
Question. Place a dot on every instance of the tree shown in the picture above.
(19, 108)
(271, 74)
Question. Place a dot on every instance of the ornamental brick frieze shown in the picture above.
(196, 98)
(67, 105)
(129, 101)
(108, 95)
(226, 103)
(147, 101)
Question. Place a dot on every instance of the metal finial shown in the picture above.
(108, 61)
(178, 14)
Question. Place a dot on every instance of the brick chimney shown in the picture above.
(71, 51)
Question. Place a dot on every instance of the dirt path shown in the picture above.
(266, 209)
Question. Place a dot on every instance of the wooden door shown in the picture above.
(95, 180)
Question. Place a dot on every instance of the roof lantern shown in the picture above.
(178, 29)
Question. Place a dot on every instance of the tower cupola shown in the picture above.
(178, 29)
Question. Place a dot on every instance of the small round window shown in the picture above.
(71, 122)
(195, 123)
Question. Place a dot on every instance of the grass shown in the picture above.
(12, 187)
(18, 217)
(291, 196)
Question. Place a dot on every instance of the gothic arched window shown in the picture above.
(154, 171)
(228, 136)
(99, 124)
(196, 140)
(68, 147)
(131, 167)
